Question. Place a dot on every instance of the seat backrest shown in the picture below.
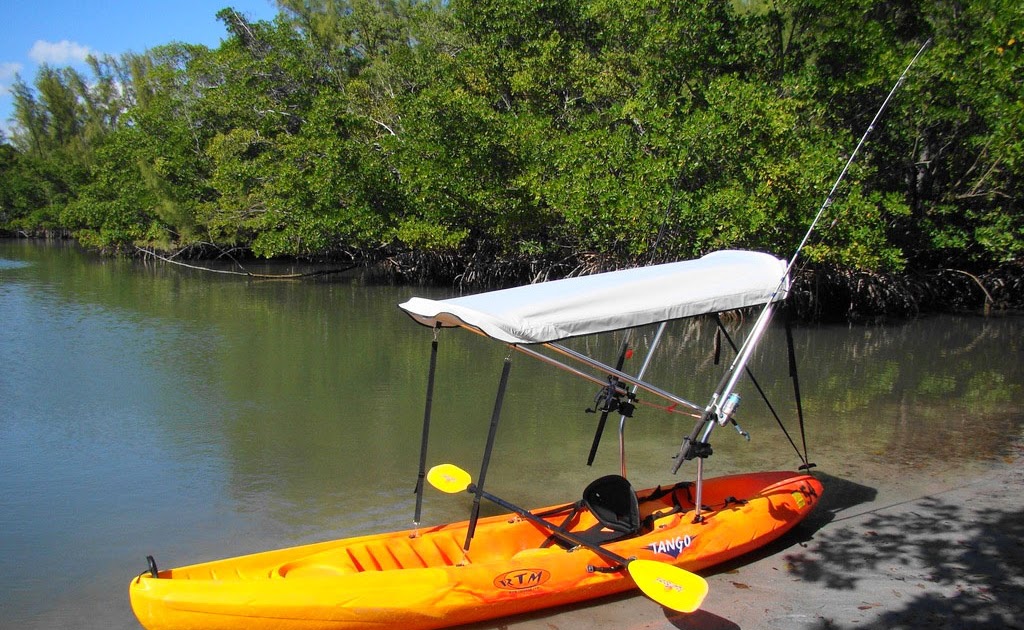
(612, 500)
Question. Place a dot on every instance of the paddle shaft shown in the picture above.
(666, 584)
(554, 529)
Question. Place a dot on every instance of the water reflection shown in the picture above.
(155, 409)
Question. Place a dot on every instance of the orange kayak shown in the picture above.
(420, 580)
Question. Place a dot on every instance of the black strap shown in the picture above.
(426, 428)
(552, 539)
(491, 434)
(660, 492)
(151, 563)
(764, 396)
(677, 507)
(796, 390)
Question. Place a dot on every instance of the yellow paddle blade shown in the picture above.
(669, 585)
(449, 478)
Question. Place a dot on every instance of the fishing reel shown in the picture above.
(614, 397)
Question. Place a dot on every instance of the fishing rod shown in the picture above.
(871, 127)
(724, 401)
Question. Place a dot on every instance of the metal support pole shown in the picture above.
(700, 491)
(639, 377)
(725, 387)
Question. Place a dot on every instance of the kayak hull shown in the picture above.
(422, 580)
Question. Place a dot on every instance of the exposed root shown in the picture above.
(821, 293)
(263, 276)
(831, 294)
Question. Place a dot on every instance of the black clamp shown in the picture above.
(699, 449)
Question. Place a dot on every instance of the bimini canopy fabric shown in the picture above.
(549, 311)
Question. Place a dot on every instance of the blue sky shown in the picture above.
(63, 32)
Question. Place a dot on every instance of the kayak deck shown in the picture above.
(424, 579)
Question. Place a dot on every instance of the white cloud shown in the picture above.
(59, 53)
(7, 71)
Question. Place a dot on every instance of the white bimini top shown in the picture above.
(550, 311)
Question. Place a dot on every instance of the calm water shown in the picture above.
(147, 408)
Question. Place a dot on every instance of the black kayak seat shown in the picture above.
(612, 501)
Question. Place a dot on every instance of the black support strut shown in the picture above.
(491, 434)
(426, 428)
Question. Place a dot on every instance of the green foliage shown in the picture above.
(546, 131)
(319, 196)
(969, 185)
(116, 208)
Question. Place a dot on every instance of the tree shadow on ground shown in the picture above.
(963, 566)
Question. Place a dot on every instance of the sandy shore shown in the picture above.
(928, 551)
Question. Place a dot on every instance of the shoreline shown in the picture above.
(933, 553)
(821, 293)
